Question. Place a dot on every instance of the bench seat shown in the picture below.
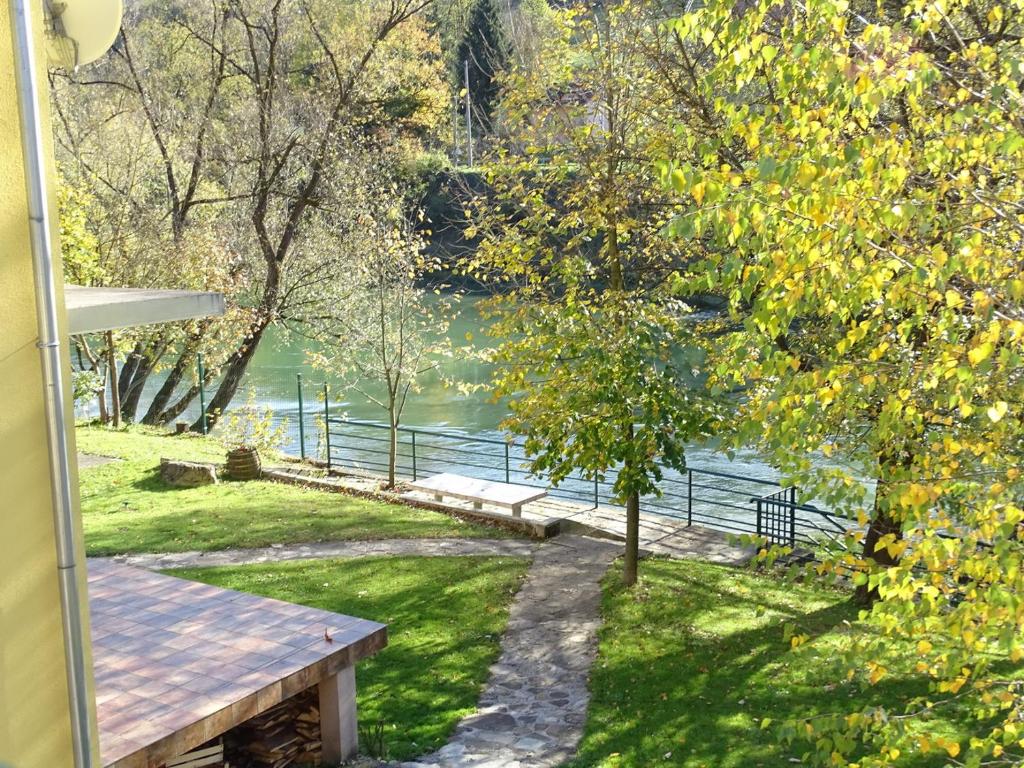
(480, 492)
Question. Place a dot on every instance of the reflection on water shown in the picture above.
(272, 375)
(273, 370)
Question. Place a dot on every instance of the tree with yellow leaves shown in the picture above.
(585, 312)
(855, 181)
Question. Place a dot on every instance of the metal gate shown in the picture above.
(776, 517)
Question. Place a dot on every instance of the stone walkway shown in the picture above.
(333, 549)
(532, 711)
(533, 708)
(90, 460)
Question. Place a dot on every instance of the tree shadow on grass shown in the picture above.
(135, 511)
(688, 671)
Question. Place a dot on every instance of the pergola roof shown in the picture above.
(106, 309)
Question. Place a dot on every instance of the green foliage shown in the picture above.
(127, 508)
(224, 161)
(854, 176)
(445, 617)
(588, 327)
(252, 426)
(85, 385)
(533, 23)
(597, 382)
(79, 245)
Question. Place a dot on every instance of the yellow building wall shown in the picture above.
(34, 711)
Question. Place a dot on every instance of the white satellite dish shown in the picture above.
(80, 31)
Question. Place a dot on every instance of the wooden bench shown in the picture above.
(480, 492)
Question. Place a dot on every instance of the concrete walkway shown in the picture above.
(532, 711)
(659, 534)
(332, 549)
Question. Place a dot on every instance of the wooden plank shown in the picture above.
(199, 757)
(476, 490)
(211, 761)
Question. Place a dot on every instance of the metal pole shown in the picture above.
(44, 259)
(469, 116)
(414, 478)
(202, 392)
(507, 474)
(327, 425)
(689, 497)
(302, 424)
(455, 129)
(792, 516)
(758, 517)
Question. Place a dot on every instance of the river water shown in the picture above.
(470, 419)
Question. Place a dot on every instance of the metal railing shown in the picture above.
(710, 498)
(776, 517)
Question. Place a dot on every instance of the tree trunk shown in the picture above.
(174, 411)
(629, 569)
(881, 524)
(131, 396)
(155, 412)
(392, 448)
(131, 364)
(101, 399)
(233, 373)
(632, 557)
(82, 345)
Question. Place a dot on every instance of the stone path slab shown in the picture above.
(662, 535)
(532, 711)
(90, 460)
(445, 547)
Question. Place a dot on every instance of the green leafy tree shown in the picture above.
(391, 335)
(853, 173)
(531, 22)
(586, 318)
(79, 246)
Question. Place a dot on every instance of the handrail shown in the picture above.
(677, 498)
(518, 444)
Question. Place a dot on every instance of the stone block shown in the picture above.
(187, 474)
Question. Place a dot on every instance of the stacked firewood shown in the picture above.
(285, 736)
(209, 755)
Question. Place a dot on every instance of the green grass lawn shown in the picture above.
(693, 661)
(127, 508)
(445, 618)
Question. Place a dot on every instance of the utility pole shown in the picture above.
(469, 113)
(455, 128)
